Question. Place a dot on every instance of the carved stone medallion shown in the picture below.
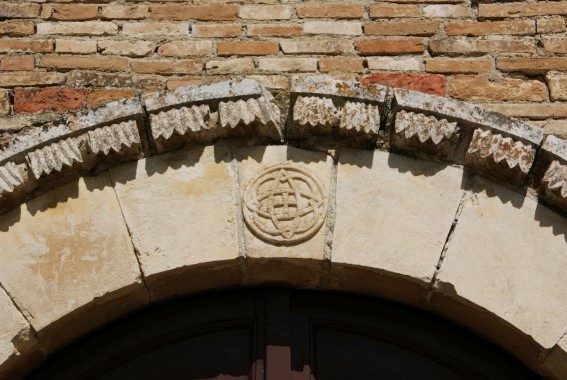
(284, 204)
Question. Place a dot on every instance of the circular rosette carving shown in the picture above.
(284, 204)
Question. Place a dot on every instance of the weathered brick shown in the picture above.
(557, 85)
(321, 10)
(180, 66)
(127, 48)
(75, 47)
(248, 48)
(185, 48)
(216, 12)
(395, 63)
(4, 102)
(101, 96)
(428, 83)
(83, 28)
(230, 66)
(402, 28)
(550, 25)
(516, 27)
(33, 78)
(333, 27)
(555, 45)
(26, 46)
(317, 46)
(293, 65)
(216, 30)
(124, 12)
(265, 12)
(56, 99)
(532, 65)
(458, 65)
(15, 10)
(390, 47)
(482, 88)
(155, 28)
(445, 11)
(394, 10)
(16, 28)
(18, 63)
(421, 1)
(274, 30)
(529, 110)
(94, 62)
(69, 12)
(79, 79)
(466, 45)
(522, 9)
(176, 82)
(327, 65)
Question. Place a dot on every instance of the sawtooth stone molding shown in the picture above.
(422, 200)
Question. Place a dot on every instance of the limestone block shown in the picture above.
(556, 362)
(551, 171)
(114, 137)
(16, 337)
(67, 253)
(181, 212)
(291, 196)
(53, 157)
(508, 256)
(393, 213)
(10, 177)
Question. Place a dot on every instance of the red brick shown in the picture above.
(71, 62)
(248, 48)
(522, 9)
(33, 78)
(428, 83)
(194, 12)
(179, 66)
(532, 65)
(318, 10)
(101, 96)
(35, 46)
(19, 63)
(216, 30)
(17, 28)
(402, 28)
(458, 65)
(390, 47)
(70, 12)
(56, 99)
(15, 10)
(517, 27)
(348, 64)
(482, 88)
(274, 30)
(470, 45)
(394, 10)
(555, 45)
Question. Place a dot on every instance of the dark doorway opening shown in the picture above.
(282, 334)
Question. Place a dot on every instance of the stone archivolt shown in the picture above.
(458, 139)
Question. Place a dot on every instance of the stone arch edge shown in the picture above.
(446, 132)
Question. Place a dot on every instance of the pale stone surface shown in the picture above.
(251, 162)
(15, 333)
(508, 256)
(556, 362)
(333, 27)
(69, 251)
(395, 63)
(393, 212)
(181, 211)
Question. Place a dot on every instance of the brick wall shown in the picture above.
(64, 55)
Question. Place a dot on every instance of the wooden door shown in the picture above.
(281, 334)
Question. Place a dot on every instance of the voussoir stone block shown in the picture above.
(393, 213)
(67, 260)
(507, 256)
(181, 212)
(272, 259)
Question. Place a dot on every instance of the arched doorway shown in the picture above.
(282, 334)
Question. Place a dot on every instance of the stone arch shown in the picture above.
(432, 202)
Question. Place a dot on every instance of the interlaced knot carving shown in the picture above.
(284, 204)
